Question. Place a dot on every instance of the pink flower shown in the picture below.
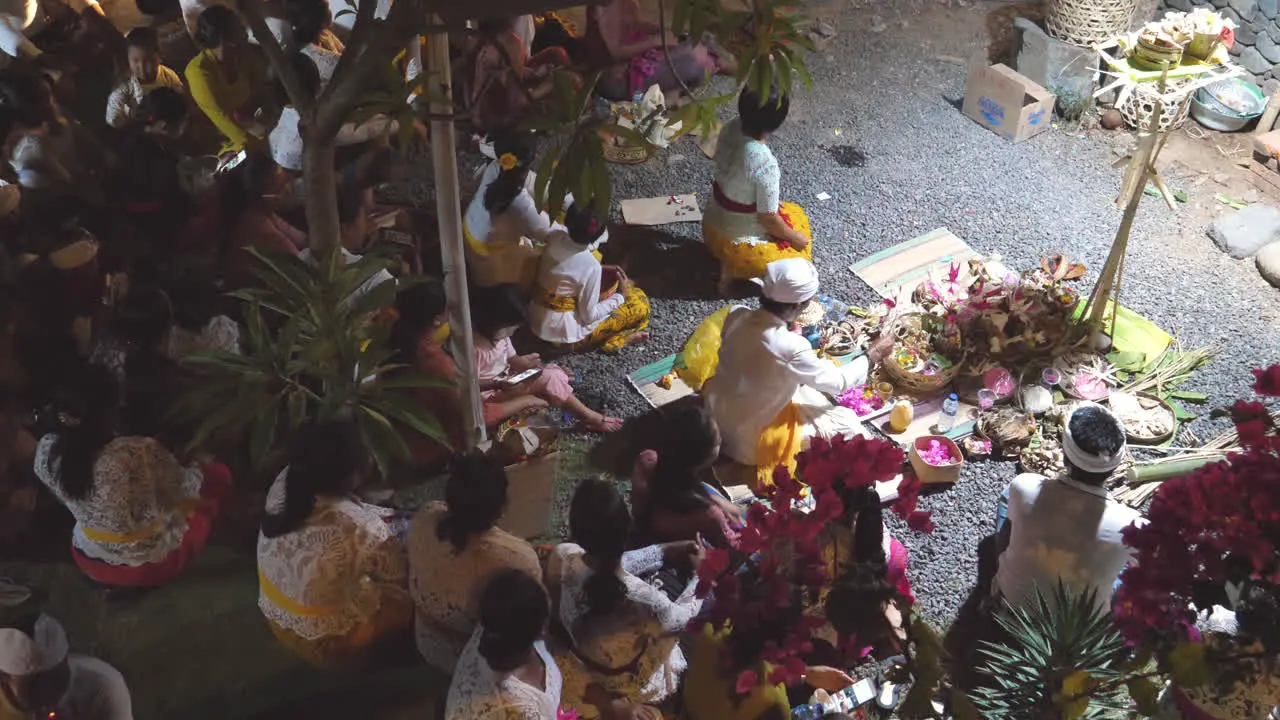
(747, 681)
(920, 521)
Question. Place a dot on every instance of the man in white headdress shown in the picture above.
(1068, 528)
(39, 679)
(767, 393)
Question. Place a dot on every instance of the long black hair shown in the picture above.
(761, 116)
(600, 522)
(510, 183)
(86, 411)
(417, 307)
(855, 605)
(513, 614)
(325, 460)
(241, 188)
(215, 26)
(307, 18)
(495, 308)
(476, 495)
(689, 441)
(584, 224)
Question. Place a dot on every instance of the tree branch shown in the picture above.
(356, 44)
(252, 13)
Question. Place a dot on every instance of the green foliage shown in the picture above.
(316, 349)
(1062, 658)
(573, 162)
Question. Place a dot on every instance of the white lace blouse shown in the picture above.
(133, 515)
(569, 270)
(220, 333)
(330, 575)
(748, 174)
(444, 584)
(479, 693)
(1251, 698)
(644, 626)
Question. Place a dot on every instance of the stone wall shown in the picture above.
(1257, 47)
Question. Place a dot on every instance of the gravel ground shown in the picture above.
(927, 166)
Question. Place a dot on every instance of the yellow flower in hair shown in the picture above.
(508, 161)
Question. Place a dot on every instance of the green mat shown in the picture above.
(1133, 333)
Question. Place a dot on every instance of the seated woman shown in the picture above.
(631, 50)
(746, 227)
(568, 309)
(249, 198)
(331, 572)
(620, 630)
(146, 73)
(496, 314)
(227, 81)
(505, 79)
(454, 549)
(140, 516)
(418, 338)
(310, 21)
(198, 323)
(504, 229)
(505, 670)
(670, 500)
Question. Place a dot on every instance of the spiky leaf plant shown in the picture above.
(1062, 658)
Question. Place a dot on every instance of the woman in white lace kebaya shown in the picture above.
(331, 573)
(620, 629)
(505, 672)
(140, 516)
(454, 548)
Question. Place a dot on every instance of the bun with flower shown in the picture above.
(514, 152)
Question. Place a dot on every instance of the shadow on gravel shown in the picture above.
(664, 266)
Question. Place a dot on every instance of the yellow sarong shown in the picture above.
(748, 260)
(778, 445)
(612, 333)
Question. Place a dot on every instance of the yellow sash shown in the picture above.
(778, 445)
(102, 536)
(288, 604)
(476, 246)
(558, 303)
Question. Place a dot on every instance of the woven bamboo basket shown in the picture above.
(1084, 22)
(1139, 105)
(617, 150)
(914, 383)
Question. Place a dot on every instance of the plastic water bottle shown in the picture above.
(637, 97)
(950, 408)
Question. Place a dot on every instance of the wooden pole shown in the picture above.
(444, 159)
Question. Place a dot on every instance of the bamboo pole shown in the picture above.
(444, 159)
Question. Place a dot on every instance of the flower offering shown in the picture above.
(939, 455)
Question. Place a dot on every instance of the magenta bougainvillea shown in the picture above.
(779, 554)
(1228, 508)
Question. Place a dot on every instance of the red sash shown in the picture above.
(728, 204)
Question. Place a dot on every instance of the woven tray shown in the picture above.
(1085, 22)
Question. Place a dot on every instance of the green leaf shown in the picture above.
(384, 441)
(600, 180)
(546, 168)
(411, 414)
(785, 72)
(1146, 695)
(262, 437)
(1182, 414)
(1189, 665)
(1187, 395)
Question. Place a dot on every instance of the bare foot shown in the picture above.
(599, 423)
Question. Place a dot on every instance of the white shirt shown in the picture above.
(1062, 529)
(285, 139)
(326, 61)
(125, 99)
(509, 238)
(343, 560)
(568, 269)
(763, 367)
(17, 18)
(477, 692)
(747, 173)
(349, 257)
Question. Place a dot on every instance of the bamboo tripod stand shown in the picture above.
(1140, 169)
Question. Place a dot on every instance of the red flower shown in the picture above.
(920, 521)
(747, 681)
(1267, 381)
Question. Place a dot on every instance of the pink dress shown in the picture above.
(493, 361)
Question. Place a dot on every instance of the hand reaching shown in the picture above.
(823, 677)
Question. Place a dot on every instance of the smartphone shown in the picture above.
(525, 376)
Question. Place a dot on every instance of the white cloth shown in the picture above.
(220, 333)
(511, 239)
(23, 654)
(791, 280)
(445, 583)
(138, 488)
(747, 173)
(525, 28)
(285, 138)
(645, 624)
(349, 257)
(763, 367)
(1089, 462)
(477, 692)
(17, 18)
(124, 100)
(568, 269)
(1062, 530)
(343, 558)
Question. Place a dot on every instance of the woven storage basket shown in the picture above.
(916, 383)
(617, 150)
(1138, 107)
(1084, 22)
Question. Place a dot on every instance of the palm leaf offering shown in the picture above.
(315, 349)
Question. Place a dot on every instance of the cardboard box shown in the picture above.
(1007, 103)
(531, 490)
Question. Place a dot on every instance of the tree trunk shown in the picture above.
(321, 182)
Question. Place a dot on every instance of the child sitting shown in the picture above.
(496, 314)
(146, 73)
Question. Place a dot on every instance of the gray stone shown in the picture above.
(1268, 8)
(1242, 233)
(1218, 3)
(1253, 61)
(1232, 15)
(1179, 5)
(1270, 86)
(1245, 8)
(1236, 49)
(1268, 261)
(1248, 34)
(1269, 49)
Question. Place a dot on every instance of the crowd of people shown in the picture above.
(118, 243)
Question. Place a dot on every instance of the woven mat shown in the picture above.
(906, 265)
(645, 381)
